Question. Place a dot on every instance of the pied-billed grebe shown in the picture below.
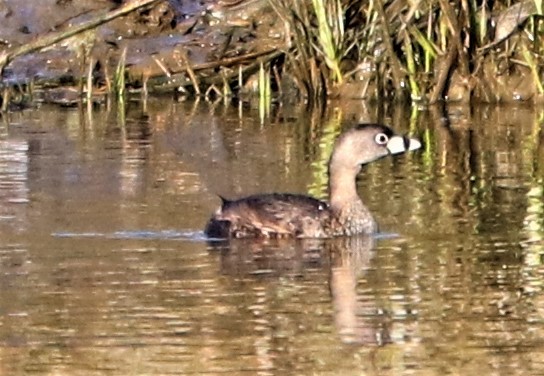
(293, 215)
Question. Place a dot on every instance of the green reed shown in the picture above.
(330, 33)
(119, 76)
(265, 97)
(419, 50)
(535, 70)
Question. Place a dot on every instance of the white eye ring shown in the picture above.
(381, 139)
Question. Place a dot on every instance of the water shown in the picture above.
(104, 269)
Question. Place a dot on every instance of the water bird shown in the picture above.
(279, 215)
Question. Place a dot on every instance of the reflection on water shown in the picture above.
(13, 173)
(104, 269)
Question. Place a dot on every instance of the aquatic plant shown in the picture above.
(330, 33)
(385, 50)
(424, 51)
(264, 92)
(119, 76)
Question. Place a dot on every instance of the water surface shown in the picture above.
(104, 269)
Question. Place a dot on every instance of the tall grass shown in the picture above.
(426, 51)
(421, 51)
(265, 98)
(119, 77)
(330, 32)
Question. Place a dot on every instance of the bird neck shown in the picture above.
(342, 187)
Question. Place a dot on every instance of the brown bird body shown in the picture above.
(294, 215)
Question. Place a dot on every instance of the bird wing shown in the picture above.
(275, 215)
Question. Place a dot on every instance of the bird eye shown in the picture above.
(381, 139)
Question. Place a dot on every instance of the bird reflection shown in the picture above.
(271, 257)
(346, 259)
(356, 319)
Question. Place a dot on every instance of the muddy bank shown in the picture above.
(165, 46)
(218, 48)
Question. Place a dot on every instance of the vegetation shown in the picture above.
(424, 51)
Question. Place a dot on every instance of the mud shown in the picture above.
(160, 42)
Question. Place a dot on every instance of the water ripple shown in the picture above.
(187, 235)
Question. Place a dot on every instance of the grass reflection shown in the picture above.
(332, 127)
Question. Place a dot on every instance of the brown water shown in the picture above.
(104, 269)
